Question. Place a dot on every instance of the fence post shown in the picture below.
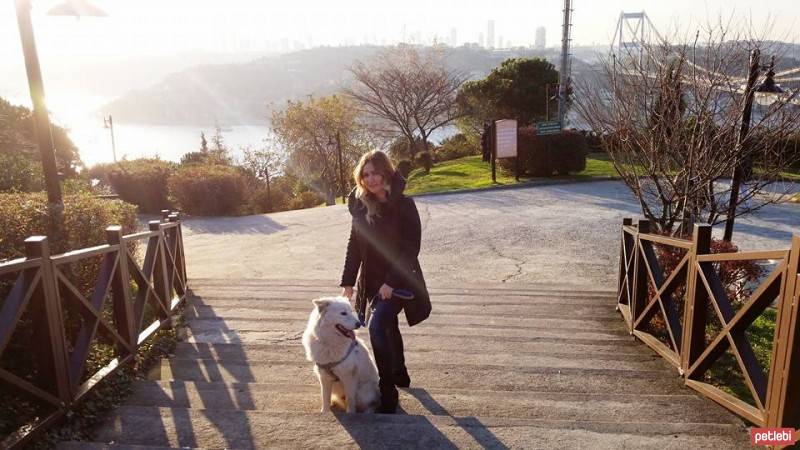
(639, 299)
(694, 310)
(622, 262)
(160, 278)
(48, 338)
(783, 393)
(120, 289)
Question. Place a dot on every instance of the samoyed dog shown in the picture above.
(347, 375)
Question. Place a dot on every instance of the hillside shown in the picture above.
(241, 94)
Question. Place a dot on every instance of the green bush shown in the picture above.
(542, 156)
(425, 160)
(142, 182)
(20, 174)
(208, 190)
(305, 199)
(405, 167)
(259, 202)
(454, 147)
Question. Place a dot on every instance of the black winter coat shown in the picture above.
(387, 252)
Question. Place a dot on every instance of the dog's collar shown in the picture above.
(331, 365)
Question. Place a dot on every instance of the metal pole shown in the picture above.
(494, 151)
(563, 74)
(341, 174)
(738, 171)
(547, 102)
(41, 121)
(110, 124)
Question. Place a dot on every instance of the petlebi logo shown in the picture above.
(773, 436)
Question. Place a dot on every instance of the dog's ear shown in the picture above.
(321, 304)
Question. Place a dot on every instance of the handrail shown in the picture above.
(41, 288)
(645, 291)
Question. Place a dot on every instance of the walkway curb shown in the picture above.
(521, 185)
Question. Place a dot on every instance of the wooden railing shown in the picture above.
(690, 343)
(124, 294)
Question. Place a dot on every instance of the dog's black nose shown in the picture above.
(358, 325)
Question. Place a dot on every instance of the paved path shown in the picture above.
(547, 234)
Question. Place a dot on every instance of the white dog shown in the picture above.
(346, 372)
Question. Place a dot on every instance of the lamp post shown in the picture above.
(767, 93)
(108, 122)
(41, 120)
(337, 145)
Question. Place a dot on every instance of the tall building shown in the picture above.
(480, 40)
(453, 37)
(490, 34)
(540, 38)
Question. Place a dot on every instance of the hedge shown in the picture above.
(543, 156)
(142, 182)
(208, 190)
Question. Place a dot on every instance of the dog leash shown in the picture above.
(328, 367)
(403, 294)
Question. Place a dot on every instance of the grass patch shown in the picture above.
(470, 172)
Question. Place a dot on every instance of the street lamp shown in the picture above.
(765, 94)
(337, 145)
(42, 130)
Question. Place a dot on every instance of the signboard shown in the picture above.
(506, 138)
(551, 127)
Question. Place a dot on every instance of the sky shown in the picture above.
(147, 27)
(135, 29)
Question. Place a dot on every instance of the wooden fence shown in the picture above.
(690, 342)
(124, 294)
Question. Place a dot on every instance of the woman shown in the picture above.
(384, 245)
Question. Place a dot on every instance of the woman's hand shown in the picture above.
(386, 291)
(347, 291)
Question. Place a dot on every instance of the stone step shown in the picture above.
(74, 445)
(189, 427)
(463, 376)
(283, 284)
(535, 298)
(268, 331)
(508, 358)
(475, 345)
(505, 314)
(604, 407)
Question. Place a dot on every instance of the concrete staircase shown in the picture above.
(502, 366)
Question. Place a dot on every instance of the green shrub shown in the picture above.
(305, 199)
(259, 202)
(208, 190)
(454, 147)
(142, 182)
(85, 219)
(542, 156)
(425, 160)
(405, 167)
(20, 174)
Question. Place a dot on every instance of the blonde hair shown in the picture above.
(381, 163)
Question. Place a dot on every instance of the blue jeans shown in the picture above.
(387, 343)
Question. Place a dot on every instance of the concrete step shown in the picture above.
(242, 297)
(463, 376)
(605, 407)
(102, 446)
(466, 346)
(179, 427)
(508, 358)
(266, 283)
(202, 330)
(532, 319)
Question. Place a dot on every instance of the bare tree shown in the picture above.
(669, 115)
(307, 131)
(264, 163)
(407, 91)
